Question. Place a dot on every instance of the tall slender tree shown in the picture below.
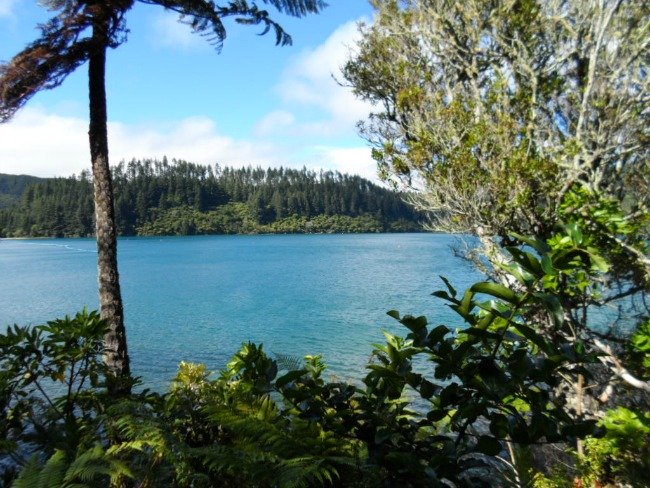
(83, 30)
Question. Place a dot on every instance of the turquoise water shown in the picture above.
(198, 298)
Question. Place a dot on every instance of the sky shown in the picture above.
(171, 94)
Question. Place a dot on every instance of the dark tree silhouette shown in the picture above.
(83, 30)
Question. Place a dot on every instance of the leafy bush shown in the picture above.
(622, 456)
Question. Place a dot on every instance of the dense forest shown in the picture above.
(180, 198)
(12, 188)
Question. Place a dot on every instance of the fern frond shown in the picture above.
(29, 476)
(94, 464)
(242, 465)
(303, 471)
(288, 362)
(53, 471)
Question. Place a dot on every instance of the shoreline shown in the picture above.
(29, 238)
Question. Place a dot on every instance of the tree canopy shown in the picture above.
(497, 108)
(169, 198)
(515, 116)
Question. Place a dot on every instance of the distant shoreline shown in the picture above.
(28, 238)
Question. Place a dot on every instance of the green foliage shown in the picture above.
(557, 479)
(497, 371)
(52, 397)
(12, 188)
(617, 234)
(51, 208)
(622, 456)
(230, 218)
(158, 198)
(88, 469)
(471, 108)
(640, 349)
(50, 377)
(246, 438)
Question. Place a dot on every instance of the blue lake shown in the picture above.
(198, 298)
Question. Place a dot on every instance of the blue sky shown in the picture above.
(170, 93)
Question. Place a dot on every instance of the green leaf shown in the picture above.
(436, 335)
(437, 415)
(499, 425)
(547, 266)
(535, 338)
(289, 377)
(427, 389)
(486, 320)
(451, 289)
(527, 261)
(415, 324)
(465, 305)
(599, 263)
(580, 430)
(575, 233)
(449, 395)
(394, 314)
(488, 445)
(516, 270)
(542, 426)
(496, 290)
(567, 259)
(444, 295)
(537, 244)
(480, 333)
(640, 340)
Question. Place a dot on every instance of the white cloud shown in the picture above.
(169, 32)
(41, 143)
(45, 144)
(315, 107)
(311, 82)
(352, 160)
(7, 7)
(195, 139)
(273, 121)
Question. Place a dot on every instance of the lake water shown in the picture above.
(198, 298)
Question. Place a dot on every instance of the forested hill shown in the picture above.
(12, 188)
(180, 198)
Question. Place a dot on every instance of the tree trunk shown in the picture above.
(116, 355)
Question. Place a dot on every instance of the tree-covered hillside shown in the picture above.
(160, 198)
(12, 187)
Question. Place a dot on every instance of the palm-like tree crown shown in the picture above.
(65, 44)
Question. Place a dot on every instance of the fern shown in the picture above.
(289, 362)
(88, 469)
(518, 471)
(275, 447)
(30, 475)
(54, 470)
(94, 464)
(307, 470)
